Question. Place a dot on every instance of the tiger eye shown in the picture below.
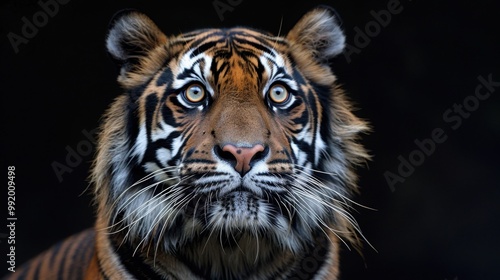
(194, 93)
(278, 94)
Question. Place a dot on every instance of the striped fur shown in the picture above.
(231, 155)
(69, 259)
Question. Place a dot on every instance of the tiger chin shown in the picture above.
(230, 155)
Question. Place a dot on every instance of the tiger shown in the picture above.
(231, 154)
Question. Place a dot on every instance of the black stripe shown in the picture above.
(132, 122)
(314, 258)
(24, 269)
(204, 47)
(65, 251)
(83, 253)
(150, 110)
(276, 161)
(133, 263)
(138, 91)
(101, 270)
(199, 161)
(189, 72)
(306, 148)
(165, 78)
(262, 45)
(54, 251)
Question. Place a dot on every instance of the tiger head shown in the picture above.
(227, 141)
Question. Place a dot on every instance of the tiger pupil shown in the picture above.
(195, 91)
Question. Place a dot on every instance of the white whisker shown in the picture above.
(320, 184)
(300, 189)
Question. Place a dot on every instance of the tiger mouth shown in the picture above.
(226, 196)
(230, 190)
(238, 199)
(237, 207)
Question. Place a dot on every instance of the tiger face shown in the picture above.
(231, 149)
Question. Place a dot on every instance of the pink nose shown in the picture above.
(244, 156)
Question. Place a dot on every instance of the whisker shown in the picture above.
(321, 184)
(220, 240)
(208, 239)
(320, 221)
(144, 179)
(335, 208)
(194, 211)
(167, 191)
(139, 209)
(171, 195)
(183, 202)
(342, 212)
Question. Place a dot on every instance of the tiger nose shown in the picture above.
(242, 158)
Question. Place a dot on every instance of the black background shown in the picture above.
(441, 222)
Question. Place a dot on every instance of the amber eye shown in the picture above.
(194, 93)
(278, 94)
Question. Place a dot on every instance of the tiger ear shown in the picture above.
(136, 44)
(132, 35)
(318, 33)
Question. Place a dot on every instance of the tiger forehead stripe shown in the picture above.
(195, 63)
(235, 36)
(243, 39)
(274, 60)
(207, 42)
(193, 68)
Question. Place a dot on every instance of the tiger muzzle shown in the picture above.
(240, 157)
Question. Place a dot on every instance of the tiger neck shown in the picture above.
(207, 258)
(242, 258)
